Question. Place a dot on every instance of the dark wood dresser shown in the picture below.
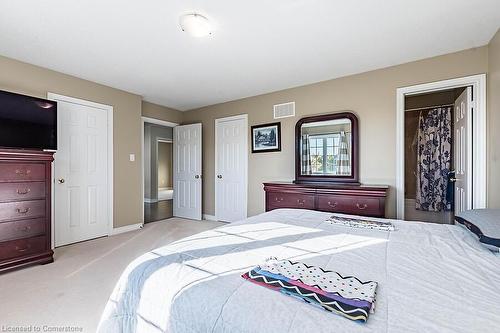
(25, 202)
(348, 199)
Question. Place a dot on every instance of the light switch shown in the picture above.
(132, 157)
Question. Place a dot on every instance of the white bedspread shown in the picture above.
(432, 278)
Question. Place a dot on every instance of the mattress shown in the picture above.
(432, 278)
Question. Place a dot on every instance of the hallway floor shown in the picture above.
(157, 211)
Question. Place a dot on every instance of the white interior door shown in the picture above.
(81, 173)
(187, 171)
(231, 147)
(463, 151)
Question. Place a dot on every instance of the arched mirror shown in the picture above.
(326, 149)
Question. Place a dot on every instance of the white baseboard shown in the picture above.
(126, 228)
(150, 200)
(209, 217)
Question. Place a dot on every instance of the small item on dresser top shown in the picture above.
(485, 224)
(360, 223)
(346, 296)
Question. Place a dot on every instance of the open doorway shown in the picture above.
(441, 149)
(430, 156)
(158, 166)
(165, 168)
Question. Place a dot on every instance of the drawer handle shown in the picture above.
(301, 201)
(23, 249)
(22, 192)
(278, 199)
(333, 205)
(361, 207)
(23, 211)
(23, 172)
(25, 229)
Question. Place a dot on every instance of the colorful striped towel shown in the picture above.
(347, 296)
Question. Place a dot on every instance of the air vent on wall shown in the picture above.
(284, 110)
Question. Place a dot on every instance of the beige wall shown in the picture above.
(371, 95)
(36, 81)
(494, 122)
(161, 112)
(32, 80)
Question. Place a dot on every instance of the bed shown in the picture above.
(432, 278)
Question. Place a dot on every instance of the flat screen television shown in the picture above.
(27, 122)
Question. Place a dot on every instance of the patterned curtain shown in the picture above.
(306, 155)
(344, 159)
(433, 160)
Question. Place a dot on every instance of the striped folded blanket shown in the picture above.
(359, 223)
(346, 296)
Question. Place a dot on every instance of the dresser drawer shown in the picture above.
(339, 198)
(22, 229)
(22, 191)
(290, 200)
(331, 203)
(22, 247)
(22, 210)
(349, 205)
(22, 171)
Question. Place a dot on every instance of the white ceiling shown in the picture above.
(259, 46)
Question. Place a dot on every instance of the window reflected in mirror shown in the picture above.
(326, 147)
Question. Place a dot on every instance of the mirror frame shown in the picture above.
(353, 179)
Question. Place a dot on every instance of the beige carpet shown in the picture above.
(73, 290)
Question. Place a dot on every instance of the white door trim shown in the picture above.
(217, 121)
(158, 122)
(208, 217)
(150, 121)
(479, 157)
(109, 110)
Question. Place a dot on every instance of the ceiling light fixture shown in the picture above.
(196, 25)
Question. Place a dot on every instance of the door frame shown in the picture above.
(155, 121)
(477, 151)
(110, 153)
(243, 117)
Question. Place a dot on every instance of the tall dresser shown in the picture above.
(25, 203)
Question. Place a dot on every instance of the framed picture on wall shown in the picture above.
(266, 138)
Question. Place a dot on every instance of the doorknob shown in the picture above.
(452, 176)
(196, 176)
(219, 176)
(61, 180)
